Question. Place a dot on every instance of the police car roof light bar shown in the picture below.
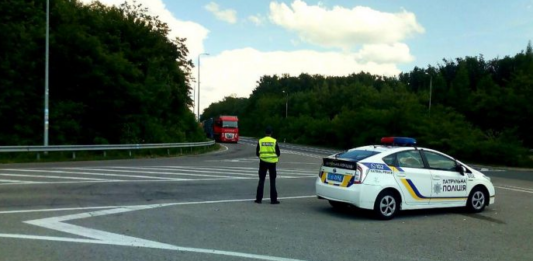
(398, 141)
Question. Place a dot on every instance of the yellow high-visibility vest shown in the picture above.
(267, 150)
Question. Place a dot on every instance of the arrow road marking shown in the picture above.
(107, 238)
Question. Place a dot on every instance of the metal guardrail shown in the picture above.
(104, 147)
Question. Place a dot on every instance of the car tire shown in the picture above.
(386, 206)
(338, 205)
(477, 200)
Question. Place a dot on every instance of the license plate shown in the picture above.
(335, 177)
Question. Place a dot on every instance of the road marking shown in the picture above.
(149, 172)
(175, 171)
(193, 169)
(235, 171)
(14, 181)
(517, 189)
(248, 170)
(87, 173)
(247, 159)
(47, 177)
(51, 210)
(145, 180)
(154, 205)
(108, 238)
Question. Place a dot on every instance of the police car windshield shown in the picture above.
(229, 124)
(357, 154)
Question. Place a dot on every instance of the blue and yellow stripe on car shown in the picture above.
(396, 169)
(413, 191)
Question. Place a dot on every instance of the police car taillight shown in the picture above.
(359, 176)
(398, 141)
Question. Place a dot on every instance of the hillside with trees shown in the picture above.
(480, 110)
(115, 76)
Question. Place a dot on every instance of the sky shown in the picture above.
(238, 41)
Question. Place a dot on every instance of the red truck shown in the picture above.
(222, 128)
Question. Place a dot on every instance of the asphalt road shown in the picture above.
(201, 208)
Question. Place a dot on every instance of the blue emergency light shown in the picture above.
(398, 141)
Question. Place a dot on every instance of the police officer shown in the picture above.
(268, 152)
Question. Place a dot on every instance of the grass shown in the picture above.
(26, 157)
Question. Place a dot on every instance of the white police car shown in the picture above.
(400, 176)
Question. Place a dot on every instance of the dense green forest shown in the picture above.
(115, 77)
(480, 110)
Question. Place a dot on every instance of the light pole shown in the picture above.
(46, 73)
(198, 102)
(286, 104)
(430, 91)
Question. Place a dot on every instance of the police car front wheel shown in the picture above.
(386, 205)
(477, 200)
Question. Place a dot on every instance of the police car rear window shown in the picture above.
(357, 155)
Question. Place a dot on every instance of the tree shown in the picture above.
(115, 76)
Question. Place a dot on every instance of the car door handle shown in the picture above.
(436, 177)
(401, 175)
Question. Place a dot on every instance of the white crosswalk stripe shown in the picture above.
(123, 174)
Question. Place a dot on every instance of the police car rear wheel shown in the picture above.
(386, 205)
(477, 200)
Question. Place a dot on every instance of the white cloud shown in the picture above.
(242, 69)
(385, 53)
(194, 32)
(237, 71)
(227, 15)
(344, 28)
(256, 19)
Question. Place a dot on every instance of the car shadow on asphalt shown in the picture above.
(347, 213)
(355, 213)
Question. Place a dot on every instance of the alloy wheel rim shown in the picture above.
(478, 200)
(387, 206)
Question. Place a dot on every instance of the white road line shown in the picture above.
(249, 170)
(302, 163)
(189, 170)
(245, 172)
(153, 205)
(88, 173)
(13, 181)
(307, 154)
(514, 189)
(108, 238)
(47, 177)
(52, 210)
(148, 181)
(150, 172)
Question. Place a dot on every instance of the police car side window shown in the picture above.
(437, 161)
(410, 159)
(390, 160)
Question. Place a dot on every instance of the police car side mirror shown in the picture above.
(460, 169)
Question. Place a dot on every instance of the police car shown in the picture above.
(397, 175)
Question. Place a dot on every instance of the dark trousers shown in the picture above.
(263, 167)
